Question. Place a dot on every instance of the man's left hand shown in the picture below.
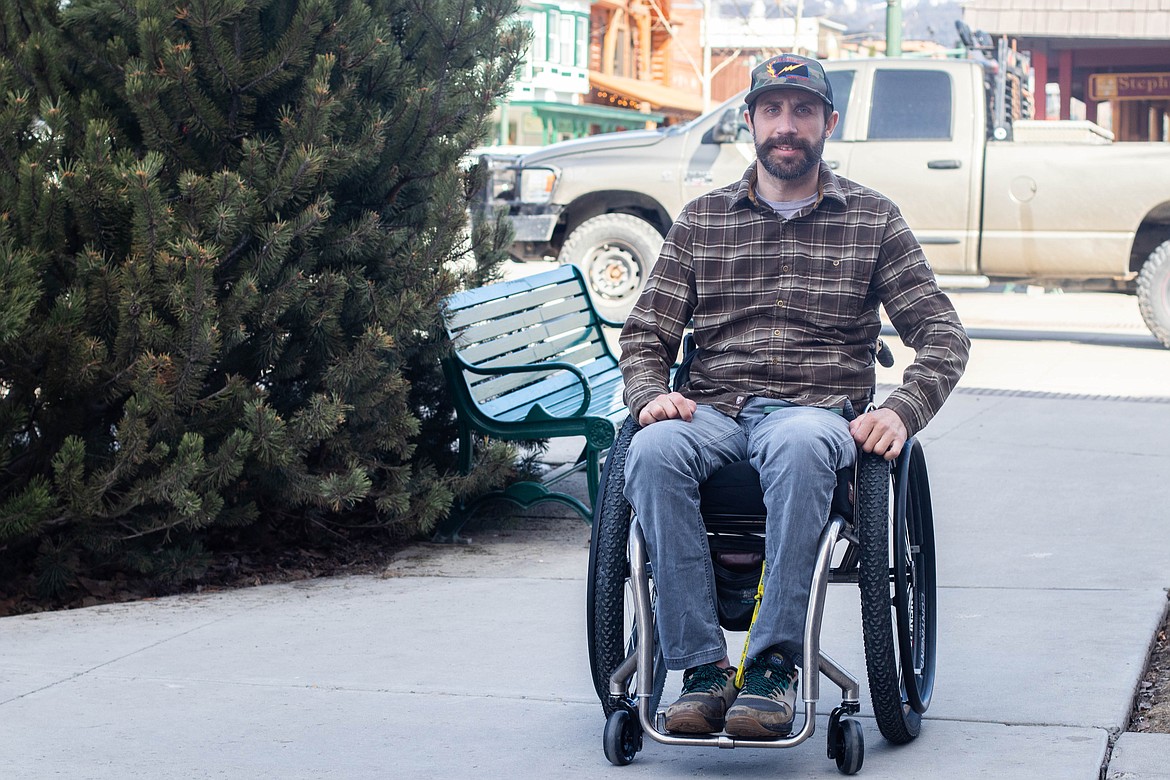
(881, 431)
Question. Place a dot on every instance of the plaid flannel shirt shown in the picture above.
(788, 309)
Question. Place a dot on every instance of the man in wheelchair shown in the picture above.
(781, 275)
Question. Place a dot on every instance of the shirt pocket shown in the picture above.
(837, 291)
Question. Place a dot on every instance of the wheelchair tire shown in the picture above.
(609, 603)
(897, 582)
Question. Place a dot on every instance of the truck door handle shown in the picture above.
(944, 165)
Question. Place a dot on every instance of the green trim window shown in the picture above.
(554, 36)
(526, 71)
(539, 39)
(559, 37)
(568, 39)
(583, 41)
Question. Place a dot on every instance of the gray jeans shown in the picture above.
(797, 451)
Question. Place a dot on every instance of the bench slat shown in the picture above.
(491, 292)
(462, 317)
(486, 386)
(486, 332)
(507, 347)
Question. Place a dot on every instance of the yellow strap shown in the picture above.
(748, 638)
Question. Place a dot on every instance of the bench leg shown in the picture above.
(448, 530)
(523, 494)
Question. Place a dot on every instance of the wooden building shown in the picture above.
(641, 54)
(1113, 53)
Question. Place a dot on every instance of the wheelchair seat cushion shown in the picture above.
(734, 494)
(733, 490)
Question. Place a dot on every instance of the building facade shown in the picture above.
(554, 77)
(1103, 60)
(595, 67)
(744, 33)
(642, 56)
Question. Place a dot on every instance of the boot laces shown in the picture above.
(768, 677)
(707, 678)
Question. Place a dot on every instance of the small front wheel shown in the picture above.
(850, 751)
(622, 737)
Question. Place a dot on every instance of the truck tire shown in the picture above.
(1153, 289)
(615, 252)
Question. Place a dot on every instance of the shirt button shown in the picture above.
(787, 268)
(776, 332)
(780, 302)
(836, 262)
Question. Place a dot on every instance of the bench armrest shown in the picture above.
(552, 365)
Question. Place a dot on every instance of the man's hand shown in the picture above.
(667, 406)
(881, 431)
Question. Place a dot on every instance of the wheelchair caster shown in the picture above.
(848, 746)
(622, 737)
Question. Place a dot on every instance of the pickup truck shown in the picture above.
(990, 194)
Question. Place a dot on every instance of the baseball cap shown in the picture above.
(790, 71)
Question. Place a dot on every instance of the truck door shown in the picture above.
(922, 152)
(717, 153)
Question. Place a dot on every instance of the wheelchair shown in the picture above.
(880, 535)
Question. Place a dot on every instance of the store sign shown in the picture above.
(1129, 86)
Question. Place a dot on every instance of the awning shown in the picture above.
(588, 111)
(657, 95)
(578, 121)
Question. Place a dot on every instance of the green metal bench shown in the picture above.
(530, 361)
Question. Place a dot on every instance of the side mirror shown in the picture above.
(728, 127)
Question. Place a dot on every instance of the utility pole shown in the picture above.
(893, 28)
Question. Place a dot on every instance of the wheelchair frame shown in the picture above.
(890, 555)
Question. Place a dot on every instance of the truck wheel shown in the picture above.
(1153, 289)
(615, 252)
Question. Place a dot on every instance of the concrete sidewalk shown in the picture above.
(469, 661)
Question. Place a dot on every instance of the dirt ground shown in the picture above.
(1151, 712)
(226, 570)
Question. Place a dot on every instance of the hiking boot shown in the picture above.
(707, 692)
(766, 705)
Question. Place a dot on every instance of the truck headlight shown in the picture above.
(536, 184)
(501, 177)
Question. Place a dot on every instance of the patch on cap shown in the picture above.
(790, 71)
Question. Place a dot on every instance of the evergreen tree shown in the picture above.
(225, 229)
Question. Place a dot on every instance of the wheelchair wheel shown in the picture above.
(610, 627)
(895, 525)
(622, 738)
(849, 750)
